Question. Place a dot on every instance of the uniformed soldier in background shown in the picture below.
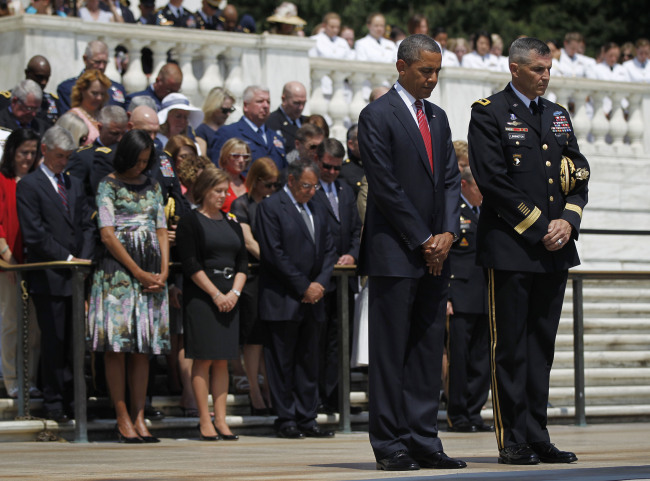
(174, 15)
(525, 158)
(352, 168)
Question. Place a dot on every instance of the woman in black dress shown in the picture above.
(215, 267)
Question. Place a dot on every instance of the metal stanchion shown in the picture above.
(21, 348)
(578, 353)
(79, 352)
(342, 298)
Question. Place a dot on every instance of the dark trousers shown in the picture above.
(54, 315)
(406, 329)
(525, 310)
(469, 367)
(291, 356)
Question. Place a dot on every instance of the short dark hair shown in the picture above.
(15, 140)
(331, 146)
(479, 34)
(129, 149)
(299, 166)
(411, 47)
(521, 49)
(352, 132)
(437, 31)
(308, 131)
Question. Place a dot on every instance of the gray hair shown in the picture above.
(142, 100)
(95, 46)
(521, 49)
(26, 87)
(299, 166)
(112, 113)
(412, 46)
(73, 124)
(331, 146)
(250, 91)
(58, 137)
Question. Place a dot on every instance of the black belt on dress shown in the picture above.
(227, 272)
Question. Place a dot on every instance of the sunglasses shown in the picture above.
(241, 156)
(330, 167)
(227, 110)
(272, 185)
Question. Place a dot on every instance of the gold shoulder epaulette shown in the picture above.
(5, 129)
(482, 102)
(346, 161)
(84, 147)
(563, 107)
(104, 150)
(54, 95)
(6, 94)
(165, 152)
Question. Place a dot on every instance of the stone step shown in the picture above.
(611, 294)
(594, 359)
(601, 395)
(610, 377)
(607, 325)
(614, 309)
(609, 342)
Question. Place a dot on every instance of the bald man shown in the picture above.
(38, 69)
(168, 80)
(288, 118)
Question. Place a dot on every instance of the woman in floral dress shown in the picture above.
(128, 311)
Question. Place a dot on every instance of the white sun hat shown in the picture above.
(178, 101)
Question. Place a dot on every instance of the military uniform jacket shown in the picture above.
(516, 164)
(467, 285)
(278, 121)
(166, 17)
(8, 121)
(352, 172)
(49, 113)
(207, 23)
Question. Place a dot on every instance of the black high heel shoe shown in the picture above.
(206, 438)
(125, 440)
(226, 437)
(150, 439)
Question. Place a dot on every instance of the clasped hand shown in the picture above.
(314, 293)
(151, 282)
(558, 230)
(226, 302)
(436, 250)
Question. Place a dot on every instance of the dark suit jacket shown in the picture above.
(406, 202)
(274, 146)
(518, 173)
(346, 232)
(467, 283)
(290, 260)
(278, 122)
(50, 232)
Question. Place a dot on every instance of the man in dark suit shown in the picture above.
(297, 257)
(345, 226)
(96, 56)
(411, 221)
(122, 7)
(262, 141)
(22, 113)
(522, 150)
(168, 80)
(288, 118)
(468, 378)
(55, 220)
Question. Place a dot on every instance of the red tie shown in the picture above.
(424, 130)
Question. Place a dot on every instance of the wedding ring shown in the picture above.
(559, 242)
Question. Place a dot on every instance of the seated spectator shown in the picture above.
(285, 20)
(571, 63)
(328, 42)
(176, 117)
(77, 127)
(26, 101)
(347, 34)
(217, 107)
(308, 138)
(319, 121)
(480, 57)
(95, 57)
(460, 47)
(374, 47)
(418, 23)
(168, 81)
(497, 51)
(638, 69)
(288, 118)
(449, 58)
(234, 159)
(20, 157)
(92, 13)
(262, 141)
(43, 7)
(215, 268)
(628, 52)
(609, 68)
(89, 95)
(174, 15)
(261, 181)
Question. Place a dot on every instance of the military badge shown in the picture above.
(572, 178)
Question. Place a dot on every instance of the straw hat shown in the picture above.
(179, 101)
(287, 12)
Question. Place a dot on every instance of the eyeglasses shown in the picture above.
(313, 146)
(241, 156)
(307, 186)
(27, 107)
(330, 166)
(272, 185)
(227, 110)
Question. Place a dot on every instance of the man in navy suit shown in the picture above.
(412, 218)
(263, 141)
(56, 225)
(345, 226)
(297, 257)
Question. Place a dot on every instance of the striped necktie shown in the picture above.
(424, 130)
(63, 193)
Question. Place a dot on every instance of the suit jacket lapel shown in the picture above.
(54, 196)
(406, 119)
(322, 195)
(250, 135)
(72, 197)
(292, 212)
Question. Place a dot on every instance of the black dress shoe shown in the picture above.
(152, 414)
(483, 428)
(57, 415)
(150, 439)
(290, 432)
(440, 460)
(316, 432)
(548, 453)
(398, 461)
(227, 437)
(206, 438)
(125, 440)
(462, 428)
(518, 454)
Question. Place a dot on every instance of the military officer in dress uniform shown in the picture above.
(352, 168)
(525, 158)
(468, 377)
(174, 15)
(208, 17)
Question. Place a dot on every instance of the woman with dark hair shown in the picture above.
(215, 267)
(20, 153)
(128, 312)
(481, 57)
(89, 95)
